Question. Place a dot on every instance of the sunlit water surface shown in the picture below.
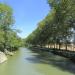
(27, 62)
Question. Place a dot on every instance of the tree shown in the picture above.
(6, 20)
(8, 37)
(58, 26)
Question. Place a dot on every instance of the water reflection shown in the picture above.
(51, 59)
(28, 62)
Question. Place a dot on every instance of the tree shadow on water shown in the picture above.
(51, 59)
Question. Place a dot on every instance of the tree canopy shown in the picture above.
(8, 37)
(57, 27)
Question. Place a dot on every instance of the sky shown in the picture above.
(27, 14)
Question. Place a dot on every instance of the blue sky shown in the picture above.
(27, 14)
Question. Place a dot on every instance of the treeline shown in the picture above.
(9, 40)
(57, 28)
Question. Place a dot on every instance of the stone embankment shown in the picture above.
(3, 57)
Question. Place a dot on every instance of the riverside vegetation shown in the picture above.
(57, 28)
(9, 40)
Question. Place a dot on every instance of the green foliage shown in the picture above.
(57, 27)
(8, 37)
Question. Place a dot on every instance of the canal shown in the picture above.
(28, 62)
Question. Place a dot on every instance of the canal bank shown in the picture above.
(3, 57)
(27, 62)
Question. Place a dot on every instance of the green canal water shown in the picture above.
(28, 62)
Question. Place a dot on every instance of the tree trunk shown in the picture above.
(54, 46)
(59, 46)
(66, 46)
